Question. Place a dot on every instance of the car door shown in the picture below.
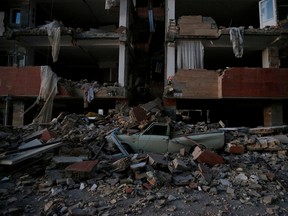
(154, 139)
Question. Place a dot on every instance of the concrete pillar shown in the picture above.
(122, 70)
(170, 46)
(270, 57)
(169, 12)
(123, 21)
(170, 61)
(18, 111)
(273, 114)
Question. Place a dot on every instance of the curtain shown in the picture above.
(190, 55)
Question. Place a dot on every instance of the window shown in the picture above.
(15, 16)
(267, 13)
(157, 130)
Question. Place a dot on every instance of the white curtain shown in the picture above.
(190, 55)
(47, 93)
(54, 36)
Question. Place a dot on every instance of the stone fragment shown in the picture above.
(93, 187)
(78, 212)
(171, 208)
(157, 160)
(12, 200)
(267, 200)
(48, 205)
(183, 179)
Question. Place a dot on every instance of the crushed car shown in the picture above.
(159, 138)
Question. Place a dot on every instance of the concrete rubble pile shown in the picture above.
(84, 175)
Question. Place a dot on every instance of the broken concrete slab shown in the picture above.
(183, 180)
(31, 143)
(157, 160)
(24, 155)
(68, 159)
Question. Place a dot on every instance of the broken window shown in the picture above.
(190, 55)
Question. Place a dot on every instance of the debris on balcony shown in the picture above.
(197, 26)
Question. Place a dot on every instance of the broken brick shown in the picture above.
(47, 135)
(138, 175)
(206, 156)
(147, 186)
(129, 190)
(235, 148)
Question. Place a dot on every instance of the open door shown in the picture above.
(267, 13)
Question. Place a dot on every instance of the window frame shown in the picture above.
(267, 13)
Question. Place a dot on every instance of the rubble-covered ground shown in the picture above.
(84, 175)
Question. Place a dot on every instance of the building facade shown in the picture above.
(213, 60)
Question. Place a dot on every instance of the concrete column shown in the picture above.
(123, 21)
(170, 46)
(270, 57)
(18, 111)
(169, 12)
(170, 61)
(122, 70)
(273, 114)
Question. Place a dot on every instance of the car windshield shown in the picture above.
(157, 130)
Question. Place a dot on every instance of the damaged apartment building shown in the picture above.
(212, 60)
